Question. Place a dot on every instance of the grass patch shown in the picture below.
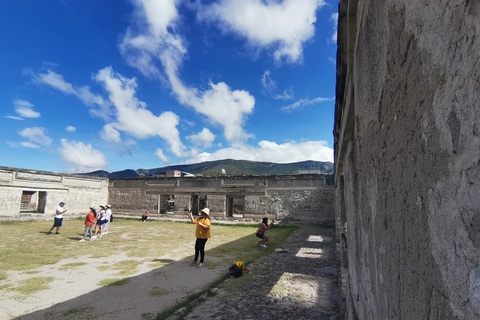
(126, 268)
(103, 268)
(3, 275)
(29, 248)
(32, 285)
(156, 292)
(74, 311)
(113, 282)
(31, 272)
(72, 265)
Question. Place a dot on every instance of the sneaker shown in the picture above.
(194, 263)
(200, 265)
(94, 237)
(263, 246)
(57, 232)
(81, 240)
(258, 244)
(49, 232)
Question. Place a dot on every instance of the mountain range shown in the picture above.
(231, 167)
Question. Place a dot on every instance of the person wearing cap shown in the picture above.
(58, 218)
(202, 233)
(100, 222)
(108, 215)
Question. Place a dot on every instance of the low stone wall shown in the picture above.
(31, 194)
(300, 198)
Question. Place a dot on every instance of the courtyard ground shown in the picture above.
(139, 269)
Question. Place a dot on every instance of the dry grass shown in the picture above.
(26, 246)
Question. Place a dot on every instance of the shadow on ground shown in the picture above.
(300, 284)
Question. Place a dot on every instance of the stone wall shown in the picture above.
(36, 194)
(304, 198)
(407, 150)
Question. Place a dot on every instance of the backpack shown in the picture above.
(235, 271)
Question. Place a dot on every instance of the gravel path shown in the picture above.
(299, 284)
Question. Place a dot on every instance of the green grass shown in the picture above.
(32, 285)
(113, 282)
(72, 265)
(156, 292)
(26, 247)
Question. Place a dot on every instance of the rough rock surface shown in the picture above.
(299, 284)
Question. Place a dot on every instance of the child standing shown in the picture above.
(100, 222)
(89, 222)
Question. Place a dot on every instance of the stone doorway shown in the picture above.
(235, 206)
(33, 201)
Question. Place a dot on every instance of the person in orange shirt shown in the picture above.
(89, 222)
(202, 233)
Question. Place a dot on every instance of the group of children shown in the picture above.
(103, 218)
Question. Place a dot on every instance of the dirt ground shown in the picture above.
(75, 293)
(299, 284)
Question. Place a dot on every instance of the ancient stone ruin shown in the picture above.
(303, 198)
(407, 159)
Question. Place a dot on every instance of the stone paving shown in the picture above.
(299, 284)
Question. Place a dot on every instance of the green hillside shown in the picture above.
(231, 167)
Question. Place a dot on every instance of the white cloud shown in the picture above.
(284, 26)
(37, 135)
(304, 102)
(156, 44)
(334, 17)
(272, 152)
(286, 95)
(109, 133)
(142, 48)
(80, 157)
(13, 117)
(84, 93)
(28, 145)
(204, 138)
(159, 154)
(132, 115)
(55, 80)
(25, 109)
(27, 113)
(267, 82)
(70, 128)
(22, 103)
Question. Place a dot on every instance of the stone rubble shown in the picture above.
(299, 284)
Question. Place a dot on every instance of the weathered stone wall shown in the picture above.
(48, 189)
(407, 150)
(305, 198)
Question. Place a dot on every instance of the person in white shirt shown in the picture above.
(58, 218)
(108, 215)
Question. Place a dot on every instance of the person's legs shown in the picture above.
(86, 232)
(197, 250)
(105, 227)
(97, 227)
(265, 239)
(201, 248)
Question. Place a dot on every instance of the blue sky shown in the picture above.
(113, 85)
